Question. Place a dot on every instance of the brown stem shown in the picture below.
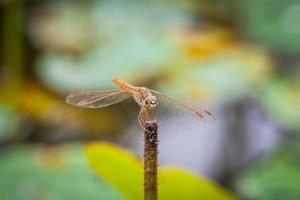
(150, 160)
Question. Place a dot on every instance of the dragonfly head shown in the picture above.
(151, 102)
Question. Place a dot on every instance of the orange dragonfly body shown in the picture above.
(145, 98)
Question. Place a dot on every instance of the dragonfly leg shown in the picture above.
(145, 115)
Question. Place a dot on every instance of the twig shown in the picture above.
(150, 160)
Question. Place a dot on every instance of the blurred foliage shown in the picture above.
(8, 121)
(213, 51)
(37, 172)
(222, 77)
(275, 178)
(124, 171)
(128, 50)
(281, 99)
(273, 22)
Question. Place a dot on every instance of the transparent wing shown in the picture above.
(97, 98)
(183, 110)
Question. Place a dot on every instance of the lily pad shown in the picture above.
(38, 172)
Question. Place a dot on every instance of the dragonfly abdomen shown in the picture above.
(123, 85)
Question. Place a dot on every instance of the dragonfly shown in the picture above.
(146, 98)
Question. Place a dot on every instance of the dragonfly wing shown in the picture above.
(97, 98)
(177, 107)
(145, 115)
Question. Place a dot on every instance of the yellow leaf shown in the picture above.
(179, 184)
(118, 167)
(125, 172)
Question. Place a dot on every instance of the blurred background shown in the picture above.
(238, 59)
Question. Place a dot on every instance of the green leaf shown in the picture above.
(274, 178)
(44, 172)
(281, 97)
(124, 171)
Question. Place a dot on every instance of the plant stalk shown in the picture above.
(150, 160)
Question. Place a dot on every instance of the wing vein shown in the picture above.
(97, 98)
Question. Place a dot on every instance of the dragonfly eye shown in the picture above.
(151, 101)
